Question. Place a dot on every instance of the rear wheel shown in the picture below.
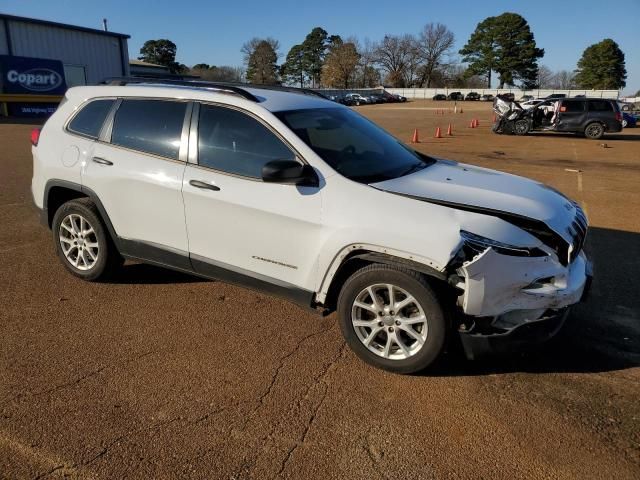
(391, 318)
(594, 131)
(624, 123)
(82, 241)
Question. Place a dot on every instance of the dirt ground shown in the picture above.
(161, 375)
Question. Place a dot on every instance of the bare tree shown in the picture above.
(564, 79)
(546, 77)
(367, 52)
(392, 54)
(250, 47)
(435, 43)
(413, 62)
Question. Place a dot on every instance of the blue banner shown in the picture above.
(33, 76)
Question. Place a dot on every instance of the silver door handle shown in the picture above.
(102, 161)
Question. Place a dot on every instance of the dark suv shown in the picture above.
(592, 117)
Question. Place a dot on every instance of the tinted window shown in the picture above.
(89, 120)
(600, 106)
(233, 142)
(153, 126)
(572, 107)
(353, 145)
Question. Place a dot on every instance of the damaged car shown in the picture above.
(591, 117)
(285, 192)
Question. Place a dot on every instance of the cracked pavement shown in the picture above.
(162, 375)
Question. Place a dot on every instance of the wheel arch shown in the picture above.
(355, 257)
(58, 192)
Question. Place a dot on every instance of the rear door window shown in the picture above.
(88, 121)
(151, 126)
(572, 107)
(600, 106)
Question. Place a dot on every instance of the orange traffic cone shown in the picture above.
(449, 131)
(461, 111)
(415, 137)
(471, 124)
(438, 134)
(477, 122)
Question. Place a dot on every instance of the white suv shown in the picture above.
(291, 194)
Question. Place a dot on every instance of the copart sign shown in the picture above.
(32, 76)
(37, 76)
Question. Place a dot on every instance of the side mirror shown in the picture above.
(290, 172)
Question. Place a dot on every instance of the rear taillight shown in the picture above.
(618, 116)
(35, 136)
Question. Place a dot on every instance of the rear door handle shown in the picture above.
(102, 161)
(205, 185)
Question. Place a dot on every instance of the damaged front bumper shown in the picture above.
(509, 302)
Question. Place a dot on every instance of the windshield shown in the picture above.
(352, 145)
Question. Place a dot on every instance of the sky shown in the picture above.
(213, 31)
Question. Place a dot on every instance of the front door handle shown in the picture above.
(205, 185)
(102, 161)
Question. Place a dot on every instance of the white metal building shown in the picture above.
(88, 55)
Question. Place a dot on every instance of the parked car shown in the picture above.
(472, 96)
(629, 120)
(377, 98)
(531, 103)
(401, 98)
(357, 99)
(487, 97)
(592, 117)
(266, 187)
(526, 98)
(439, 96)
(455, 96)
(555, 96)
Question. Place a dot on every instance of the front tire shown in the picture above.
(594, 131)
(82, 242)
(522, 126)
(391, 318)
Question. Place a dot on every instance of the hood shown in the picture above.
(490, 192)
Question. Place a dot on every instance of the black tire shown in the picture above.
(108, 259)
(522, 126)
(594, 131)
(416, 285)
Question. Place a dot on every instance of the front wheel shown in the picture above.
(594, 131)
(522, 126)
(391, 318)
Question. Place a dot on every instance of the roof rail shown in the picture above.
(236, 88)
(223, 87)
(282, 88)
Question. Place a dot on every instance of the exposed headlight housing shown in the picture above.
(479, 244)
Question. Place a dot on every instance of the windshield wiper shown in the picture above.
(414, 168)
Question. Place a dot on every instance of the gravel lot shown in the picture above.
(162, 375)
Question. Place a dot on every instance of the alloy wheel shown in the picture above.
(389, 321)
(79, 242)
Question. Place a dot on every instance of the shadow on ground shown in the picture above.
(607, 136)
(601, 335)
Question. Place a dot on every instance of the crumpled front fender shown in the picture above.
(495, 284)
